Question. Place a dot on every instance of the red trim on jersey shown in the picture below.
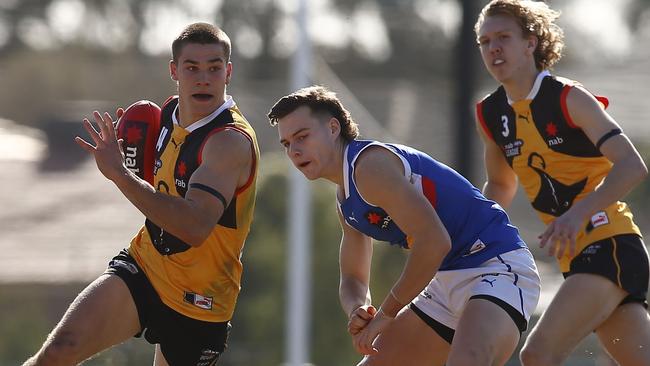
(565, 109)
(603, 100)
(429, 190)
(168, 100)
(251, 174)
(479, 114)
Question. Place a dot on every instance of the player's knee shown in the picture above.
(63, 348)
(537, 356)
(375, 360)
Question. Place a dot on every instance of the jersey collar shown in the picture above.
(535, 88)
(227, 104)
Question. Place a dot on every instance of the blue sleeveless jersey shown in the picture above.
(479, 228)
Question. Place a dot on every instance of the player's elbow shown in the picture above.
(643, 170)
(439, 243)
(198, 235)
(638, 170)
(502, 192)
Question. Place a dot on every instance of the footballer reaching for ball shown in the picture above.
(177, 283)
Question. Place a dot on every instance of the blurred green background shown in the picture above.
(404, 68)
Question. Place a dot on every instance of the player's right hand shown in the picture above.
(360, 317)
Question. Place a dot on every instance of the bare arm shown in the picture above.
(355, 257)
(629, 168)
(380, 179)
(627, 171)
(226, 164)
(501, 184)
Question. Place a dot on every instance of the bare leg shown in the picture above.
(486, 335)
(582, 304)
(626, 335)
(102, 315)
(408, 341)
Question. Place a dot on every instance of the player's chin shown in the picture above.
(309, 175)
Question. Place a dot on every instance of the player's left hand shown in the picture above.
(363, 340)
(560, 234)
(360, 317)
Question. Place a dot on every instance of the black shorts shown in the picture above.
(622, 259)
(183, 340)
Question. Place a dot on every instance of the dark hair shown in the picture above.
(322, 102)
(534, 18)
(201, 33)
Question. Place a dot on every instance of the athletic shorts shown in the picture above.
(510, 280)
(183, 341)
(623, 259)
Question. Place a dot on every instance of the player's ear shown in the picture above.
(228, 72)
(173, 70)
(334, 126)
(532, 44)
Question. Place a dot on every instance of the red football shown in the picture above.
(138, 127)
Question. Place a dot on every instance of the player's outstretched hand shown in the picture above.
(106, 149)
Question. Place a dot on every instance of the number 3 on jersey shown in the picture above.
(506, 130)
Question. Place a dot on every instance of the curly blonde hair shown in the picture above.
(534, 18)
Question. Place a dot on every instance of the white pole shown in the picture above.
(299, 271)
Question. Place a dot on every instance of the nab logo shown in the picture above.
(181, 183)
(130, 158)
(555, 141)
(553, 138)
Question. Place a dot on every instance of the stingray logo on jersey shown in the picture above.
(551, 132)
(512, 149)
(197, 300)
(380, 219)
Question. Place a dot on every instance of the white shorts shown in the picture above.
(509, 278)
